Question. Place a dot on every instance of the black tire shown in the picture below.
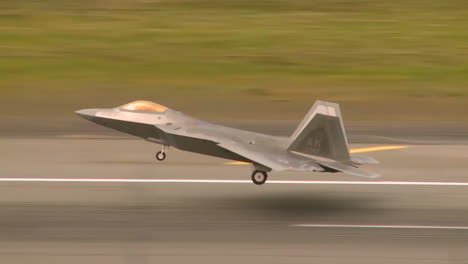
(160, 156)
(259, 177)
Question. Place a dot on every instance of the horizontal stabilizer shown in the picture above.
(348, 169)
(361, 159)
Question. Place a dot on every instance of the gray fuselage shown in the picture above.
(175, 129)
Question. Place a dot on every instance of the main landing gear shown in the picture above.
(259, 177)
(161, 155)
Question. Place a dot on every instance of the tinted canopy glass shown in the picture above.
(144, 106)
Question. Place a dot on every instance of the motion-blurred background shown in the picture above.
(237, 59)
(398, 68)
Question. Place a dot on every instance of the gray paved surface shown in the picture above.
(221, 223)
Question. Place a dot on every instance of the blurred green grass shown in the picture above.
(395, 60)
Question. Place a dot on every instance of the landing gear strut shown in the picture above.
(259, 177)
(161, 155)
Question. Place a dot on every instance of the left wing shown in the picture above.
(286, 161)
(269, 156)
(348, 169)
(272, 158)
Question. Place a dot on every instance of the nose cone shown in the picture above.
(87, 114)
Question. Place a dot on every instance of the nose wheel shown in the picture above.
(161, 155)
(259, 177)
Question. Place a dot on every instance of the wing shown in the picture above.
(348, 169)
(286, 161)
(269, 155)
(272, 158)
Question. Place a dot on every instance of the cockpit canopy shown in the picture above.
(144, 106)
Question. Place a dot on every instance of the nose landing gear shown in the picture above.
(161, 155)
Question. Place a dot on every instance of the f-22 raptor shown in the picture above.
(319, 143)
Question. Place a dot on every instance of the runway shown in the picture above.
(176, 217)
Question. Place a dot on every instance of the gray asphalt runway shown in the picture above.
(89, 223)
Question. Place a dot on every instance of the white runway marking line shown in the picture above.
(232, 181)
(383, 226)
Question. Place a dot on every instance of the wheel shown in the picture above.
(160, 156)
(259, 177)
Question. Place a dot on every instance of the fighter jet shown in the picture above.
(319, 143)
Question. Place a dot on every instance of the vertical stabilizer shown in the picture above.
(321, 134)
